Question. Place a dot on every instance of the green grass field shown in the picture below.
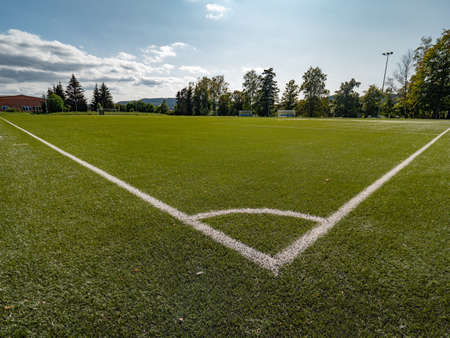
(81, 256)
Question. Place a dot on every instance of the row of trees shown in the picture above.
(72, 98)
(419, 88)
(141, 106)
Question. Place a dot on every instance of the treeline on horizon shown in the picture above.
(72, 98)
(419, 88)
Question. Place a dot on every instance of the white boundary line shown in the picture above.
(277, 212)
(258, 257)
(287, 255)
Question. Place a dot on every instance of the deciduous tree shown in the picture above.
(313, 87)
(346, 101)
(251, 86)
(54, 103)
(290, 95)
(371, 101)
(403, 75)
(237, 102)
(431, 83)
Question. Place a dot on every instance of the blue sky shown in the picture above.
(146, 48)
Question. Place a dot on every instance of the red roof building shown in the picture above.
(21, 103)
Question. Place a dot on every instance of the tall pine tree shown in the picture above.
(106, 99)
(268, 93)
(95, 98)
(75, 95)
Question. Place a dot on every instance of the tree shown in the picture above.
(185, 101)
(106, 99)
(96, 101)
(313, 87)
(237, 102)
(140, 106)
(346, 100)
(59, 90)
(290, 96)
(431, 83)
(44, 108)
(300, 109)
(163, 107)
(325, 106)
(75, 95)
(402, 75)
(224, 107)
(200, 98)
(149, 108)
(371, 101)
(54, 103)
(189, 105)
(387, 107)
(218, 87)
(267, 93)
(179, 106)
(196, 100)
(419, 52)
(251, 86)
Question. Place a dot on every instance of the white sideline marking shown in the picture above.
(287, 255)
(260, 258)
(277, 212)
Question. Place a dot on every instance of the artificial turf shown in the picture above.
(80, 256)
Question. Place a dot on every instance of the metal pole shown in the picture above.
(385, 68)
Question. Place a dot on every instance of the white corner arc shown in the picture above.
(266, 261)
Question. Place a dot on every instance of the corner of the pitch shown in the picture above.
(275, 269)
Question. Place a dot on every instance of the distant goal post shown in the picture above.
(245, 113)
(286, 113)
(102, 111)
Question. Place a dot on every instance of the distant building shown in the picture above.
(21, 102)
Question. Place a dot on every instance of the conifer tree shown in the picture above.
(75, 95)
(59, 90)
(268, 93)
(96, 100)
(106, 99)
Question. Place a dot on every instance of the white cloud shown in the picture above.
(215, 11)
(126, 56)
(194, 69)
(29, 65)
(155, 54)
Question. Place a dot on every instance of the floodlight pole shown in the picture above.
(385, 68)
